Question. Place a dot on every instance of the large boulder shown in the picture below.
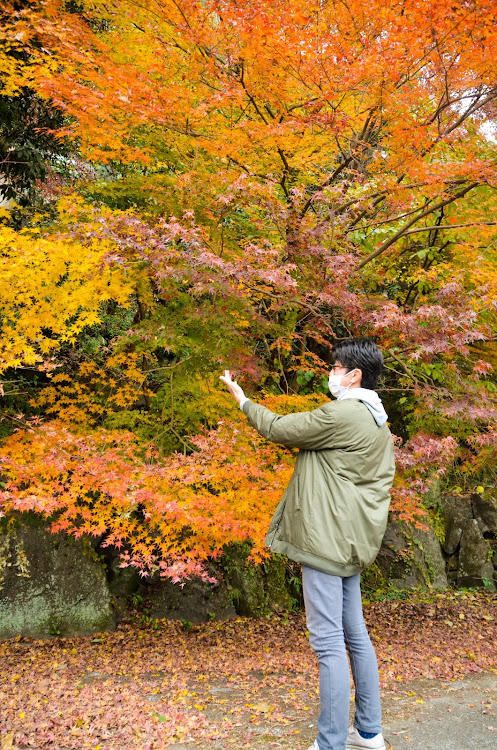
(255, 589)
(430, 551)
(50, 584)
(395, 558)
(457, 511)
(123, 582)
(485, 512)
(194, 601)
(475, 566)
(243, 589)
(411, 557)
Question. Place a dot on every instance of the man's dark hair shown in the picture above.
(361, 353)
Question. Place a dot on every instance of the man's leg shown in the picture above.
(323, 606)
(362, 660)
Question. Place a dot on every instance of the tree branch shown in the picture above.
(403, 230)
(451, 226)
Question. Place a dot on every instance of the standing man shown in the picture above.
(331, 519)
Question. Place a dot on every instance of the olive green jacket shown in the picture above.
(334, 512)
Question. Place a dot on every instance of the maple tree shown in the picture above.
(29, 145)
(266, 178)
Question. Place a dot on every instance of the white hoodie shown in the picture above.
(372, 401)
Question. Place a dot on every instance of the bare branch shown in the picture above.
(451, 226)
(403, 230)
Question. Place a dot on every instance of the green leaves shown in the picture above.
(304, 377)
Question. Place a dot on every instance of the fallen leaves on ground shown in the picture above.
(171, 684)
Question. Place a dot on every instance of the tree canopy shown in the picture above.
(249, 182)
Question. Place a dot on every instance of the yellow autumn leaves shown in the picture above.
(51, 288)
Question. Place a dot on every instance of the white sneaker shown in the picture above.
(356, 742)
(314, 746)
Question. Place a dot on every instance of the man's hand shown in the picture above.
(233, 386)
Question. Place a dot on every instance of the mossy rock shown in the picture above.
(195, 601)
(50, 584)
(485, 512)
(475, 566)
(255, 589)
(410, 557)
(457, 511)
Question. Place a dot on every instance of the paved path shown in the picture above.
(452, 716)
(425, 715)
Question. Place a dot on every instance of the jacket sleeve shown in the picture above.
(308, 430)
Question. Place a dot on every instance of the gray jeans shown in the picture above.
(333, 608)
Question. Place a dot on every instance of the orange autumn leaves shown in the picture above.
(267, 87)
(170, 514)
(318, 155)
(175, 514)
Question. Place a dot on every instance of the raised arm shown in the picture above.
(307, 430)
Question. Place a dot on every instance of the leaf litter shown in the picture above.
(168, 684)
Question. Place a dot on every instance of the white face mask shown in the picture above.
(334, 384)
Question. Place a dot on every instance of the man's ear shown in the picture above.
(357, 376)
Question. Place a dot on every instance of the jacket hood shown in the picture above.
(372, 401)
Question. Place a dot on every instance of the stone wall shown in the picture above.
(410, 557)
(470, 544)
(463, 555)
(51, 584)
